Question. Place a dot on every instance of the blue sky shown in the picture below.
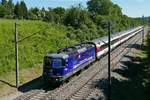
(132, 8)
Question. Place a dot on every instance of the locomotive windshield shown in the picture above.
(50, 62)
(58, 63)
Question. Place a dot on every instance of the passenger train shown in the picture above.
(59, 66)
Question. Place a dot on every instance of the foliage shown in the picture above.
(101, 7)
(2, 11)
(73, 17)
(21, 10)
(148, 47)
(146, 64)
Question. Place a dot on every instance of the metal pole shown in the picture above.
(16, 56)
(109, 60)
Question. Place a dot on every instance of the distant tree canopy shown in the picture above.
(4, 2)
(20, 10)
(6, 9)
(101, 7)
(91, 22)
(9, 10)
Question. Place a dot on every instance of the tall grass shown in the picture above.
(41, 38)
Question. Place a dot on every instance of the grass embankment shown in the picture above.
(48, 38)
(41, 38)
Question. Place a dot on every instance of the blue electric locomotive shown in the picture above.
(61, 65)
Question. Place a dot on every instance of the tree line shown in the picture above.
(10, 10)
(84, 23)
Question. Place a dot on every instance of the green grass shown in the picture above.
(48, 38)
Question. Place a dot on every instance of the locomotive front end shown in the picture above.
(54, 67)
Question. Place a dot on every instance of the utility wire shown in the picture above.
(32, 35)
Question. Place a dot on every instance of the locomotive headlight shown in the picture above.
(66, 69)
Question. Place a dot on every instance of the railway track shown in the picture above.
(79, 87)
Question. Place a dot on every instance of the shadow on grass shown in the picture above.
(31, 85)
(131, 87)
(37, 84)
(135, 46)
(11, 85)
